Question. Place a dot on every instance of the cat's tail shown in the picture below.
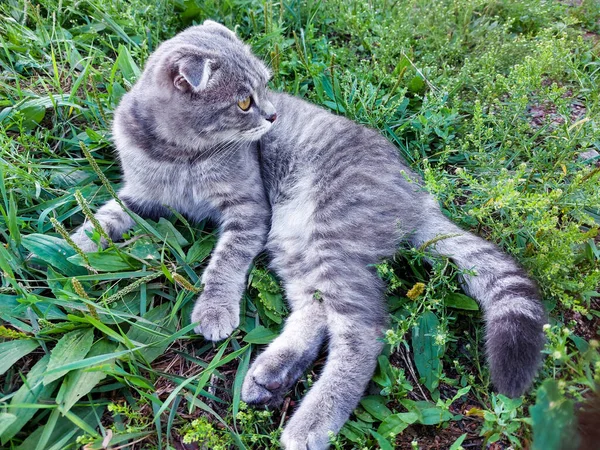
(513, 311)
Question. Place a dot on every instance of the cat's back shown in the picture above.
(318, 131)
(308, 141)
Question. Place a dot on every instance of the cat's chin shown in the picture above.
(254, 134)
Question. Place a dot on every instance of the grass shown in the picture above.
(495, 102)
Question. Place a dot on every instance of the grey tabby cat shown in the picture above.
(327, 198)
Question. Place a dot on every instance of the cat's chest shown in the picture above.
(185, 187)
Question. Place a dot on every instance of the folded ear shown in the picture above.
(220, 29)
(191, 72)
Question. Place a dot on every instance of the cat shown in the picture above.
(201, 133)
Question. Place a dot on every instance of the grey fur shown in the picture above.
(326, 197)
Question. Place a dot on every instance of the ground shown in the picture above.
(495, 103)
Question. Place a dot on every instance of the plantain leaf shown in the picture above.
(200, 250)
(108, 261)
(66, 430)
(457, 443)
(79, 382)
(170, 234)
(12, 351)
(553, 419)
(397, 423)
(384, 444)
(375, 405)
(144, 249)
(461, 301)
(125, 62)
(154, 334)
(31, 393)
(6, 419)
(53, 251)
(428, 413)
(72, 347)
(427, 353)
(260, 335)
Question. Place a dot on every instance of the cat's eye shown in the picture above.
(245, 104)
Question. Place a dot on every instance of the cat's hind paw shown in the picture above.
(305, 435)
(268, 379)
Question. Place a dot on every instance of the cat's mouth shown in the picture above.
(255, 134)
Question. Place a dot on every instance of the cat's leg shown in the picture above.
(354, 345)
(275, 371)
(243, 231)
(114, 220)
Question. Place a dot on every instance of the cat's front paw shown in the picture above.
(306, 432)
(83, 241)
(216, 322)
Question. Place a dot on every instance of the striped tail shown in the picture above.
(511, 304)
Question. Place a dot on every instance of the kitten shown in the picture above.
(327, 198)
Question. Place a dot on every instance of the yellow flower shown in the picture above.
(416, 291)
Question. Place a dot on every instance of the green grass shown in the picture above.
(495, 102)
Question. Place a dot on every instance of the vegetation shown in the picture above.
(495, 102)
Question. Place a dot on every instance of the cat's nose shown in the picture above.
(272, 117)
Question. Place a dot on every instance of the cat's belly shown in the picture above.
(292, 224)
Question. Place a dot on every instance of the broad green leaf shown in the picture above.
(375, 405)
(65, 431)
(170, 234)
(47, 429)
(461, 301)
(427, 353)
(11, 306)
(53, 251)
(493, 438)
(428, 413)
(12, 351)
(552, 419)
(72, 347)
(144, 249)
(265, 313)
(200, 250)
(434, 415)
(360, 413)
(153, 334)
(581, 344)
(384, 444)
(458, 443)
(260, 335)
(129, 69)
(397, 423)
(352, 433)
(5, 266)
(6, 419)
(79, 382)
(13, 223)
(30, 393)
(108, 261)
(383, 375)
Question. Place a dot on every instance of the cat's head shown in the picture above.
(205, 87)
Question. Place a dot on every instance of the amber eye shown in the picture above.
(245, 104)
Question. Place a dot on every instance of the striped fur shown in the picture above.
(325, 197)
